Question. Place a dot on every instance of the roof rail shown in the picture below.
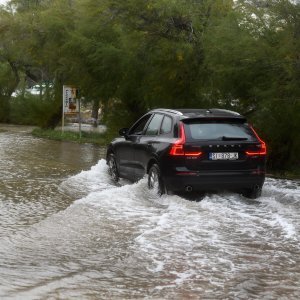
(225, 110)
(203, 112)
(169, 110)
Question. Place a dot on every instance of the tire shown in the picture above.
(252, 193)
(155, 182)
(112, 168)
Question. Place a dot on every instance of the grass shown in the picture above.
(101, 139)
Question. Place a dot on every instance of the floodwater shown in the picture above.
(67, 232)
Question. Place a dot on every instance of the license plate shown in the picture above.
(224, 156)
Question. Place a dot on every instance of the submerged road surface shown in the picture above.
(67, 232)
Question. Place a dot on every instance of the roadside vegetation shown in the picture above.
(100, 139)
(130, 56)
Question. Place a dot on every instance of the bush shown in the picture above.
(30, 110)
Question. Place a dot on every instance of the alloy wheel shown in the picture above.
(154, 180)
(113, 171)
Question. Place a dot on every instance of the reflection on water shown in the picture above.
(67, 233)
(31, 170)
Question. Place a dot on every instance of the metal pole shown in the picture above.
(63, 112)
(79, 118)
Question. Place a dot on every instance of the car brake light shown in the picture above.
(177, 148)
(263, 146)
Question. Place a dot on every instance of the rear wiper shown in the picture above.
(232, 138)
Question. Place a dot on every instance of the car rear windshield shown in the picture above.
(219, 131)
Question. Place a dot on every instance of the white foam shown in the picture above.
(165, 244)
(183, 277)
(193, 240)
(286, 226)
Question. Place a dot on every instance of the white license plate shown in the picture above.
(224, 156)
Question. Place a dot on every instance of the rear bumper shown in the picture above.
(214, 181)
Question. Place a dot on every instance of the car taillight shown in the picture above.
(177, 148)
(262, 148)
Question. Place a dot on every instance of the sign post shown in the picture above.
(79, 118)
(71, 104)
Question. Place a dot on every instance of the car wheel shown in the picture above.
(155, 182)
(252, 193)
(112, 168)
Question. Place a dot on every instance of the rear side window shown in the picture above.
(219, 131)
(154, 125)
(166, 126)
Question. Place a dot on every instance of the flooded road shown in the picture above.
(67, 232)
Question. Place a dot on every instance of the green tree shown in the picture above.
(134, 55)
(9, 63)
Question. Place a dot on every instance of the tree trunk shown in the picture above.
(95, 112)
(5, 97)
(56, 115)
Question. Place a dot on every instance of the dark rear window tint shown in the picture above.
(219, 131)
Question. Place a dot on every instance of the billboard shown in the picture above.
(70, 100)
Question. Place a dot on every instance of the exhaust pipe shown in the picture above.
(188, 188)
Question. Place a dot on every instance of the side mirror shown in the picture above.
(123, 132)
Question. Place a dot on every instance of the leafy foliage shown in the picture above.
(136, 55)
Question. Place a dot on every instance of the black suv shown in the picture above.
(187, 150)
